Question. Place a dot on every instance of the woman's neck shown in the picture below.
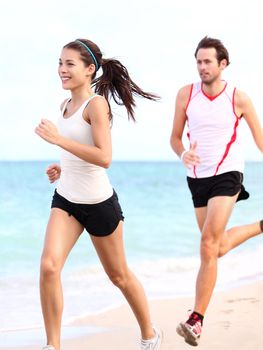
(78, 96)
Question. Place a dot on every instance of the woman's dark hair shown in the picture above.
(221, 51)
(115, 80)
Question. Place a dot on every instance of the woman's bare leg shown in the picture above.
(110, 250)
(61, 235)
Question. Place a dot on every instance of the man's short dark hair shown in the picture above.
(221, 51)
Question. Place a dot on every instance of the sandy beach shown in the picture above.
(233, 321)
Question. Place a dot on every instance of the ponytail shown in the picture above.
(115, 82)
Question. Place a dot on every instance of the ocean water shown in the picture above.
(161, 239)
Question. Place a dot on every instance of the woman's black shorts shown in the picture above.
(100, 219)
(226, 184)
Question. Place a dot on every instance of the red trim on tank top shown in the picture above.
(211, 98)
(232, 140)
(195, 172)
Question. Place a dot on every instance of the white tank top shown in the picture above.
(80, 181)
(213, 123)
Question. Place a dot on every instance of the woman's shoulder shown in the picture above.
(97, 106)
(97, 101)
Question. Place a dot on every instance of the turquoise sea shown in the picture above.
(161, 237)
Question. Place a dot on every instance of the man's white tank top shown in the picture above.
(214, 125)
(80, 181)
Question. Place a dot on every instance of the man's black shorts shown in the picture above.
(100, 219)
(226, 184)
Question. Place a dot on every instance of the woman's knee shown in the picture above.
(49, 268)
(119, 278)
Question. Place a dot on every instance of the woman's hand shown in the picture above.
(47, 131)
(53, 172)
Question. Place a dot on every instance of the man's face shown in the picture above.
(208, 67)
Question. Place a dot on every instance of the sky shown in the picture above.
(154, 39)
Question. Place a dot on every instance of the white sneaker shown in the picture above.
(154, 343)
(48, 347)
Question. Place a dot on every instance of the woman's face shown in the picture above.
(72, 70)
